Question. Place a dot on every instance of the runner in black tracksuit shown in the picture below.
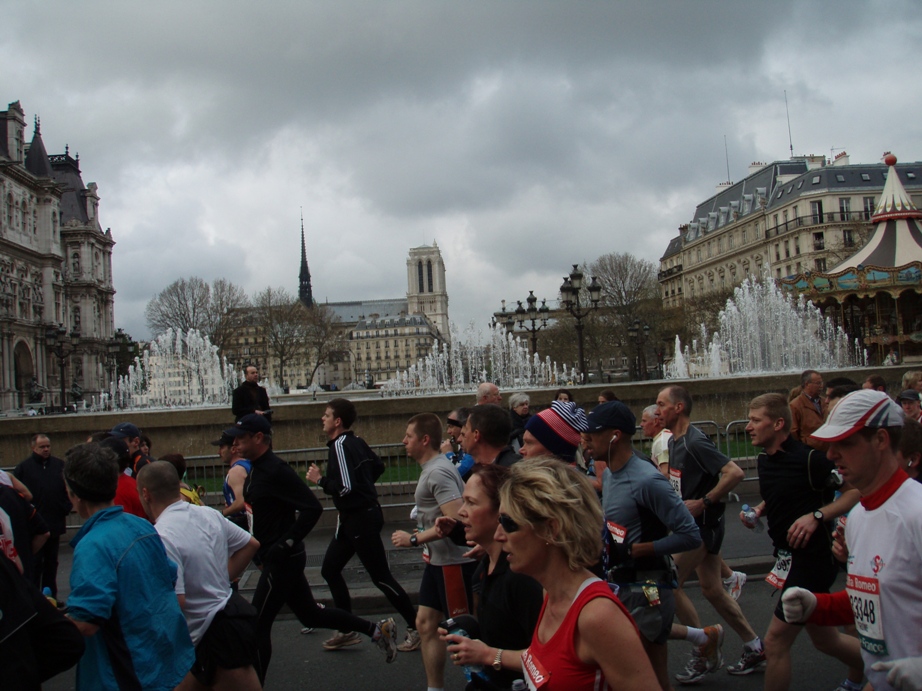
(274, 494)
(352, 468)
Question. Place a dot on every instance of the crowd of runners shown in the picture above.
(556, 553)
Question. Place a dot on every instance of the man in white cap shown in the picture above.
(884, 539)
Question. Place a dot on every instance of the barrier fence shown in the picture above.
(398, 482)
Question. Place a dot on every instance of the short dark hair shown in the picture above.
(679, 394)
(837, 392)
(38, 435)
(806, 375)
(461, 414)
(493, 423)
(428, 425)
(91, 472)
(609, 395)
(120, 449)
(492, 478)
(100, 436)
(566, 391)
(841, 381)
(344, 409)
(160, 479)
(878, 382)
(895, 434)
(147, 442)
(177, 460)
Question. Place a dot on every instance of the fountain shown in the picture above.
(178, 370)
(504, 360)
(764, 331)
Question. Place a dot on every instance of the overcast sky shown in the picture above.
(521, 136)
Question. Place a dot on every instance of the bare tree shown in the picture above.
(190, 303)
(282, 320)
(325, 338)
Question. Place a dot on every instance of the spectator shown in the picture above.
(250, 398)
(43, 474)
(807, 411)
(564, 395)
(912, 380)
(519, 415)
(875, 382)
(189, 494)
(488, 394)
(607, 395)
(911, 403)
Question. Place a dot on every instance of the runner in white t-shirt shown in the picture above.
(884, 539)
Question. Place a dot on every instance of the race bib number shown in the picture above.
(675, 479)
(535, 674)
(618, 532)
(864, 594)
(782, 568)
(249, 512)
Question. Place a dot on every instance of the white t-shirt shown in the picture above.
(5, 478)
(200, 540)
(660, 449)
(884, 564)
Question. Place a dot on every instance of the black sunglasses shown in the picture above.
(508, 524)
(454, 423)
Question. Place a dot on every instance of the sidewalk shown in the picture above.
(743, 551)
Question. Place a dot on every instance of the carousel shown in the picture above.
(875, 294)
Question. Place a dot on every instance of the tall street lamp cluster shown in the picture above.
(62, 345)
(529, 319)
(639, 334)
(570, 300)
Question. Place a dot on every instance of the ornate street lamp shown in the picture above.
(62, 346)
(570, 300)
(503, 318)
(532, 319)
(639, 335)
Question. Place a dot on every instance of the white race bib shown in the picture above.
(782, 568)
(675, 479)
(864, 594)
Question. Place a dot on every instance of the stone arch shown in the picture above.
(24, 368)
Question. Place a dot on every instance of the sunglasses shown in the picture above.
(454, 423)
(508, 524)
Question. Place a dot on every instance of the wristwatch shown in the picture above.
(818, 515)
(707, 501)
(498, 660)
(414, 540)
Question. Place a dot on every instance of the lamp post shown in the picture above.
(503, 318)
(532, 319)
(639, 335)
(570, 301)
(62, 345)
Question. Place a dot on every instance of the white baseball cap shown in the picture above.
(858, 410)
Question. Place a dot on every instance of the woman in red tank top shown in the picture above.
(550, 528)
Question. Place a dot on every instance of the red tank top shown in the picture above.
(554, 665)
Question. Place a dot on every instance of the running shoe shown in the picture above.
(411, 642)
(695, 669)
(342, 640)
(750, 661)
(387, 638)
(711, 651)
(734, 584)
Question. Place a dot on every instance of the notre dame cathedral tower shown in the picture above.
(426, 290)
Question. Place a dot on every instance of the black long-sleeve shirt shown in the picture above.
(248, 398)
(45, 479)
(352, 468)
(281, 503)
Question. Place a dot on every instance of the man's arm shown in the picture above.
(803, 528)
(239, 560)
(38, 541)
(730, 476)
(339, 479)
(19, 486)
(401, 538)
(795, 419)
(236, 476)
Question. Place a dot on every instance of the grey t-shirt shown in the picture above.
(694, 469)
(439, 483)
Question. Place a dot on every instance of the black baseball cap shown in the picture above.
(612, 415)
(249, 424)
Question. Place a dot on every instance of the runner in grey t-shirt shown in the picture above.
(439, 484)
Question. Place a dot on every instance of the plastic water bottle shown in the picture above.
(751, 519)
(456, 626)
(46, 591)
(519, 685)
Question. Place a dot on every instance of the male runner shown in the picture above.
(274, 494)
(445, 590)
(703, 477)
(352, 468)
(797, 503)
(884, 540)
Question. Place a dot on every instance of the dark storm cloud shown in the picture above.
(523, 136)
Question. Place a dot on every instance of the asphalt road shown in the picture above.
(299, 661)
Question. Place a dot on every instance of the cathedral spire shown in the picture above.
(305, 292)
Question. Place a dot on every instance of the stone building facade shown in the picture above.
(55, 273)
(789, 217)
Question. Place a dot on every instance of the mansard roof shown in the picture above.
(66, 172)
(352, 312)
(37, 161)
(675, 246)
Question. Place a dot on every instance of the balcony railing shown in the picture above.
(818, 219)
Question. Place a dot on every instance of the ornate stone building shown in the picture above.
(55, 274)
(787, 218)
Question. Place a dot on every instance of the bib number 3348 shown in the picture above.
(864, 594)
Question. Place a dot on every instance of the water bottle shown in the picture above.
(519, 685)
(460, 626)
(751, 519)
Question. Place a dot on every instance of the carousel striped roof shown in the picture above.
(897, 236)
